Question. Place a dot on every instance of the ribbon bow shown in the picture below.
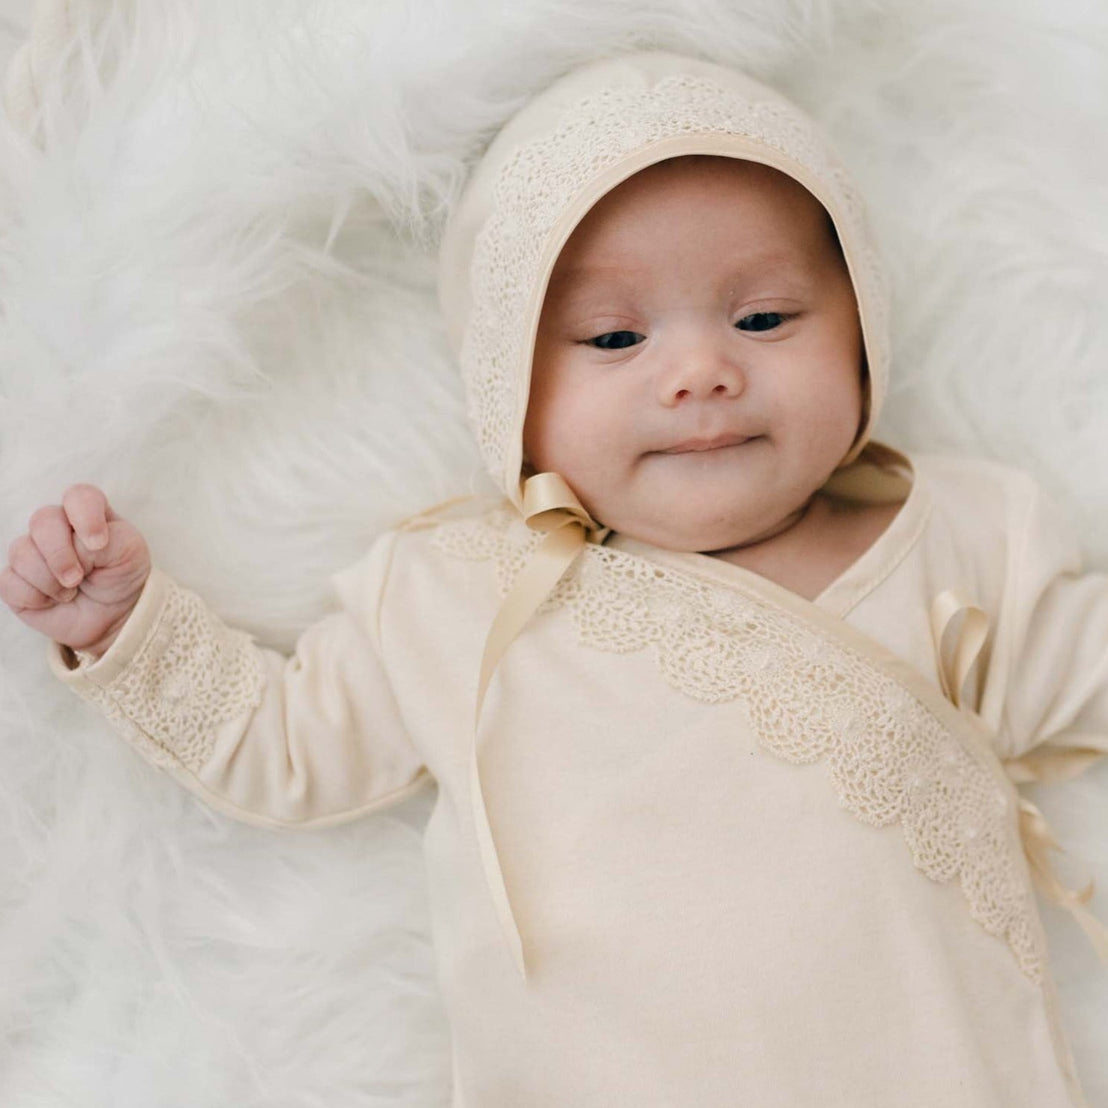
(960, 630)
(550, 506)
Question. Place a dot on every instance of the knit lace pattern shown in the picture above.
(810, 698)
(192, 674)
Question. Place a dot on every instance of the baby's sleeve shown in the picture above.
(310, 739)
(1053, 646)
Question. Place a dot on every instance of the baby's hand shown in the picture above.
(78, 572)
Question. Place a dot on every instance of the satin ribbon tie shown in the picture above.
(960, 630)
(549, 506)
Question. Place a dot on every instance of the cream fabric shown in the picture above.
(759, 860)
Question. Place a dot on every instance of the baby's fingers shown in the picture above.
(88, 512)
(28, 582)
(20, 596)
(52, 536)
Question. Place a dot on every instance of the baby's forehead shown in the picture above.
(760, 215)
(696, 174)
(577, 280)
(698, 187)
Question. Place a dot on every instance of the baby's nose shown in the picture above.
(701, 375)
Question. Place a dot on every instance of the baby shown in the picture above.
(725, 702)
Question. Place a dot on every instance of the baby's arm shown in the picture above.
(1052, 647)
(309, 740)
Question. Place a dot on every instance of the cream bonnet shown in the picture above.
(566, 148)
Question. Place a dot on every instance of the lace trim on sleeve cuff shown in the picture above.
(189, 675)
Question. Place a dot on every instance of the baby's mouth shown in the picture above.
(699, 445)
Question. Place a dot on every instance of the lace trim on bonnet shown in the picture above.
(538, 183)
(809, 698)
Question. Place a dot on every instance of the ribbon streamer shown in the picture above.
(960, 630)
(550, 506)
(1037, 840)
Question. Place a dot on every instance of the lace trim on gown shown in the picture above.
(810, 698)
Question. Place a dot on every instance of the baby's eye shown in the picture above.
(761, 321)
(616, 340)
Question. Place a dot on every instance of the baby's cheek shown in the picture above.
(577, 423)
(553, 434)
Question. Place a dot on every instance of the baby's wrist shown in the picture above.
(96, 650)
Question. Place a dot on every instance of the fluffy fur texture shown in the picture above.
(216, 280)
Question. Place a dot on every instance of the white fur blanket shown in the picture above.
(216, 301)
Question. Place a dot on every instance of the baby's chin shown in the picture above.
(688, 532)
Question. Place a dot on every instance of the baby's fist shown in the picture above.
(78, 572)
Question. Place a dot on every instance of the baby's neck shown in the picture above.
(815, 545)
(790, 522)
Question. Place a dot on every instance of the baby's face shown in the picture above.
(697, 369)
